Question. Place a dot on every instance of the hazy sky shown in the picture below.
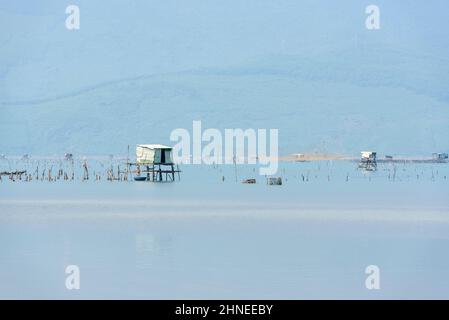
(263, 56)
(126, 38)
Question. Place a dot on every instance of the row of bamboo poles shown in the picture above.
(46, 172)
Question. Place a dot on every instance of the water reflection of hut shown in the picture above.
(156, 159)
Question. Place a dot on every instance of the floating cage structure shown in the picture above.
(274, 181)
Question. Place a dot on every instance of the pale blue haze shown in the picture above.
(136, 70)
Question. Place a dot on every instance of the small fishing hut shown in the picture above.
(368, 160)
(368, 156)
(154, 163)
(440, 156)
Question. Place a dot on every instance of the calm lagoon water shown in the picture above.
(203, 237)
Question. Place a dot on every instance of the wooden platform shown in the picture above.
(155, 172)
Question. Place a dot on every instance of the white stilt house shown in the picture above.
(151, 154)
(154, 158)
(440, 156)
(368, 161)
(368, 156)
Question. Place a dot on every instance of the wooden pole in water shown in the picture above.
(86, 171)
(127, 165)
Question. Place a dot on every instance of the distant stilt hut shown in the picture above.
(156, 161)
(368, 161)
(440, 156)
